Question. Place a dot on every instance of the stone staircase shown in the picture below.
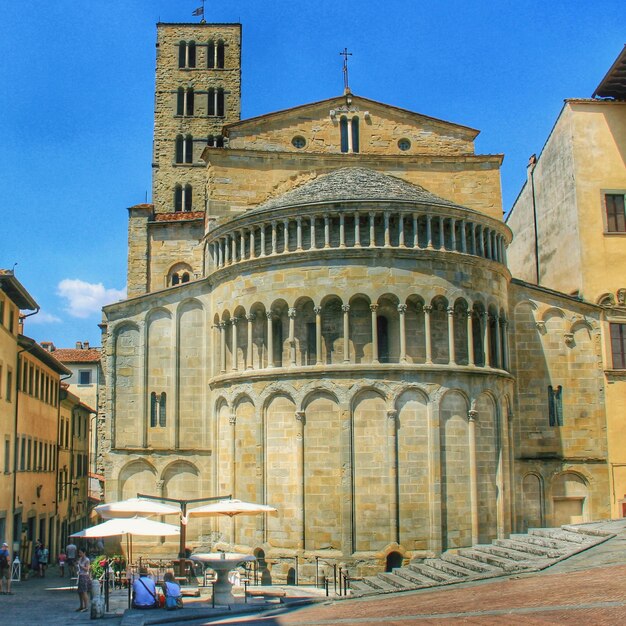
(536, 550)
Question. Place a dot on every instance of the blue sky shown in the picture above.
(76, 106)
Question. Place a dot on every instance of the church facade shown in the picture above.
(321, 317)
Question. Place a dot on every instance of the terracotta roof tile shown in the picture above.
(72, 355)
(179, 217)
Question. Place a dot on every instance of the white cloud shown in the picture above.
(85, 299)
(43, 318)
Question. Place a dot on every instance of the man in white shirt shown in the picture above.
(144, 591)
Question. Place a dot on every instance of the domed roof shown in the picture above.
(350, 184)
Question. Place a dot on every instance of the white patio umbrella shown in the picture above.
(129, 527)
(231, 508)
(135, 507)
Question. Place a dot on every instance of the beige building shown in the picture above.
(335, 331)
(569, 230)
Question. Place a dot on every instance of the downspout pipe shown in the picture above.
(532, 162)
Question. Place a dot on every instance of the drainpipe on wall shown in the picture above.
(532, 162)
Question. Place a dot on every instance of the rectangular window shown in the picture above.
(23, 455)
(8, 394)
(1, 312)
(555, 405)
(84, 377)
(615, 215)
(29, 450)
(618, 345)
(11, 319)
(7, 456)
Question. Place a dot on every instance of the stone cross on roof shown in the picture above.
(345, 54)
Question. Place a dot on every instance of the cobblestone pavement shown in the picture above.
(589, 588)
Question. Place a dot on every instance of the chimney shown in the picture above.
(85, 345)
(48, 345)
(79, 345)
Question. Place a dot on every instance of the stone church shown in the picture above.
(321, 317)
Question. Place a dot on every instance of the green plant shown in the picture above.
(96, 568)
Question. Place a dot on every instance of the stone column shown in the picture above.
(481, 241)
(233, 253)
(250, 317)
(387, 234)
(470, 339)
(372, 230)
(252, 244)
(416, 240)
(234, 341)
(299, 234)
(463, 237)
(473, 231)
(488, 242)
(326, 231)
(262, 240)
(274, 238)
(401, 312)
(312, 246)
(301, 420)
(357, 230)
(429, 232)
(373, 309)
(227, 250)
(232, 420)
(505, 345)
(401, 231)
(442, 238)
(473, 471)
(392, 445)
(218, 245)
(346, 332)
(242, 245)
(291, 313)
(451, 350)
(270, 339)
(318, 334)
(453, 233)
(498, 362)
(429, 353)
(342, 230)
(486, 343)
(285, 236)
(222, 327)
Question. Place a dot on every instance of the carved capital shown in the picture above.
(345, 308)
(621, 297)
(470, 314)
(373, 308)
(472, 415)
(450, 311)
(291, 313)
(232, 419)
(317, 310)
(160, 484)
(427, 308)
(269, 315)
(541, 326)
(569, 339)
(251, 317)
(392, 414)
(300, 416)
(402, 309)
(234, 321)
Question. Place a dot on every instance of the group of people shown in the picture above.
(145, 592)
(40, 559)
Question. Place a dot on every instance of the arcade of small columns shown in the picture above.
(472, 336)
(394, 228)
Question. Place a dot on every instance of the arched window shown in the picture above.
(178, 274)
(220, 54)
(153, 409)
(180, 101)
(383, 338)
(187, 200)
(215, 102)
(182, 54)
(178, 198)
(343, 129)
(220, 102)
(187, 54)
(185, 278)
(189, 104)
(355, 134)
(180, 143)
(162, 410)
(188, 149)
(191, 54)
(211, 102)
(175, 280)
(210, 54)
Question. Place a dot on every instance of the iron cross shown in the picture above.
(345, 54)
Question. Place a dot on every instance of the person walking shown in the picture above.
(34, 561)
(62, 559)
(44, 556)
(70, 552)
(84, 580)
(5, 570)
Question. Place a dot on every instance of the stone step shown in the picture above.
(472, 564)
(508, 565)
(379, 583)
(450, 568)
(531, 550)
(414, 577)
(548, 542)
(586, 530)
(507, 552)
(557, 533)
(433, 573)
(399, 582)
(358, 586)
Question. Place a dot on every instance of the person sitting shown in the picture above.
(144, 592)
(172, 592)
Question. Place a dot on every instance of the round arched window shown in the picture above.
(298, 142)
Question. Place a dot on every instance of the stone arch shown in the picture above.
(533, 507)
(415, 329)
(136, 476)
(570, 498)
(412, 468)
(388, 320)
(305, 331)
(454, 459)
(371, 471)
(332, 330)
(360, 329)
(178, 274)
(439, 330)
(322, 470)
